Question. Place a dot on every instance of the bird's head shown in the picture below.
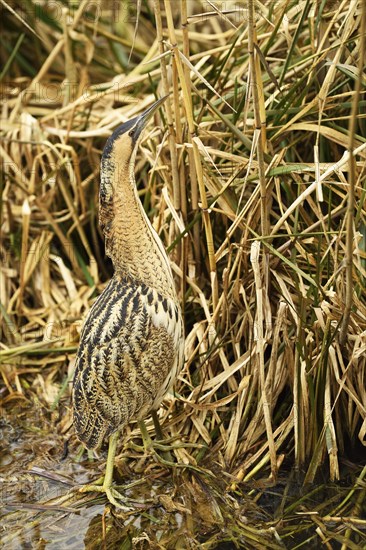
(122, 145)
(117, 177)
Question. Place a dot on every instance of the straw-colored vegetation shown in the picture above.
(254, 177)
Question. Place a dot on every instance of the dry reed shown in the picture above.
(254, 178)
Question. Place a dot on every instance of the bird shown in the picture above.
(132, 341)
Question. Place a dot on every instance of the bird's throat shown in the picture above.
(131, 242)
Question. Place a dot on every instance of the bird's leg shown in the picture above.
(111, 493)
(108, 476)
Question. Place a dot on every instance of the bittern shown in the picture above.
(131, 346)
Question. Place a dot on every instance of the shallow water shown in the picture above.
(42, 508)
(45, 513)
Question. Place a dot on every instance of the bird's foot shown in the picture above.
(114, 497)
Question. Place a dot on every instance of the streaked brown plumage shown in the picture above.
(131, 346)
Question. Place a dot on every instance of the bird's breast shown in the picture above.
(130, 352)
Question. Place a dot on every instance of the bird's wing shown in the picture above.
(129, 346)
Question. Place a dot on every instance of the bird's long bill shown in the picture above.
(145, 117)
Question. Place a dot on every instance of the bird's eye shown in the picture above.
(131, 132)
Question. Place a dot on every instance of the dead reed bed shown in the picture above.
(254, 176)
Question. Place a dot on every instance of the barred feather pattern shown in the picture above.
(131, 346)
(130, 352)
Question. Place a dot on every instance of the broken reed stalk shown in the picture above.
(261, 279)
(330, 434)
(260, 348)
(187, 171)
(168, 107)
(186, 52)
(71, 81)
(299, 418)
(187, 101)
(352, 178)
(195, 259)
(174, 137)
(259, 115)
(26, 213)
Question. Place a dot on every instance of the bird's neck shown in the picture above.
(131, 242)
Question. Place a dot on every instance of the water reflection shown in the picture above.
(41, 507)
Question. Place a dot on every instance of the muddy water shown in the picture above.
(171, 508)
(42, 507)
